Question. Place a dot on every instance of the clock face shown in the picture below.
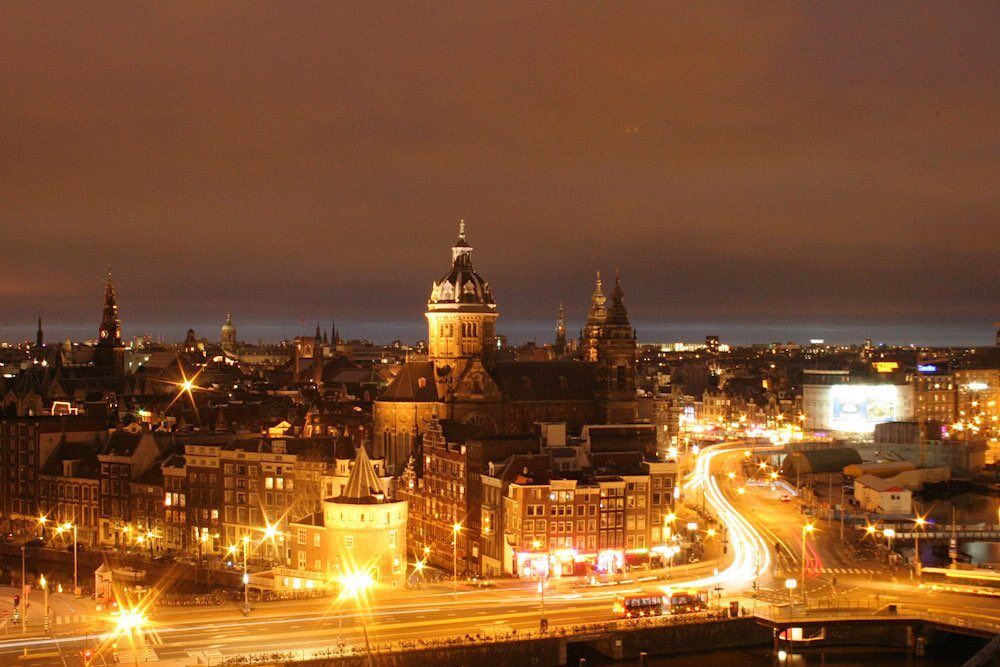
(104, 333)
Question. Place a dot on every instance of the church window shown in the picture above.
(620, 377)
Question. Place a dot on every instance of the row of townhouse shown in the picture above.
(132, 487)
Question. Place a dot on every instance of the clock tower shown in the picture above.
(109, 344)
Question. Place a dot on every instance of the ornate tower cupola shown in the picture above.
(460, 312)
(228, 334)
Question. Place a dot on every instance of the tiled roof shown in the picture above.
(414, 383)
(546, 380)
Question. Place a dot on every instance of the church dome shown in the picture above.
(461, 288)
(229, 326)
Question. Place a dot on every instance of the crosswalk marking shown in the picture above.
(849, 570)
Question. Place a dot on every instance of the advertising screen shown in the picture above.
(858, 408)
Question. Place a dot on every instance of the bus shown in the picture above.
(637, 605)
(686, 602)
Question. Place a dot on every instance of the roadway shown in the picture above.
(755, 520)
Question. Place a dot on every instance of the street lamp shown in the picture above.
(66, 527)
(246, 574)
(919, 525)
(130, 621)
(806, 529)
(455, 530)
(45, 590)
(42, 520)
(790, 584)
(889, 534)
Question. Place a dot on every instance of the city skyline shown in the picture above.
(742, 168)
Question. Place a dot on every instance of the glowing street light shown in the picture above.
(806, 529)
(889, 534)
(455, 530)
(65, 528)
(919, 524)
(791, 585)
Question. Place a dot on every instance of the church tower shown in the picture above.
(109, 345)
(227, 336)
(39, 336)
(560, 346)
(616, 357)
(460, 316)
(590, 337)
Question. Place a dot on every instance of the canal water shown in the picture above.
(956, 650)
(969, 508)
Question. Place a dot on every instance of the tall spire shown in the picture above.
(560, 347)
(598, 311)
(39, 338)
(111, 326)
(617, 313)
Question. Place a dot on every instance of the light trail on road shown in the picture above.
(751, 555)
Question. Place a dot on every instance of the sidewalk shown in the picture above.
(64, 610)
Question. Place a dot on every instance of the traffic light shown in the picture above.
(88, 656)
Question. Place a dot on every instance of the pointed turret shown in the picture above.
(363, 485)
(598, 309)
(617, 313)
(111, 327)
(560, 346)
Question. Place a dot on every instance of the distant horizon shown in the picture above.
(523, 331)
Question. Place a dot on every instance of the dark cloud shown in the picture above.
(832, 164)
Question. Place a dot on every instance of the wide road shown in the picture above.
(755, 520)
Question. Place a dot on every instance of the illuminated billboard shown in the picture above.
(858, 408)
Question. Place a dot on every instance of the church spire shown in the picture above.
(111, 326)
(617, 313)
(560, 347)
(598, 310)
(39, 338)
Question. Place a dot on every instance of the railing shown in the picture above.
(871, 608)
(344, 650)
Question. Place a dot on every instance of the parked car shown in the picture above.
(165, 558)
(785, 498)
(35, 542)
(79, 547)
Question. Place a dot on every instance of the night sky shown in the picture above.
(764, 171)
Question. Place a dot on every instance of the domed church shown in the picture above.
(462, 382)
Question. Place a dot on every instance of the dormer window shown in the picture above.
(422, 383)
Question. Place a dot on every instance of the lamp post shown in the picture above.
(42, 520)
(246, 576)
(806, 529)
(45, 604)
(889, 534)
(66, 527)
(455, 529)
(790, 584)
(919, 525)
